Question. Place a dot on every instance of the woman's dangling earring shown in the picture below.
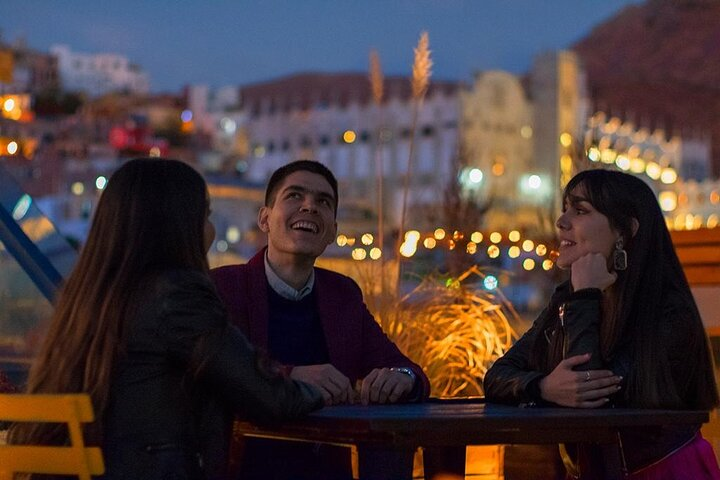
(619, 255)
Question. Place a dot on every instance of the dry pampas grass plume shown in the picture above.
(420, 80)
(422, 65)
(376, 77)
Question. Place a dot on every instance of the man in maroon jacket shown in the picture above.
(313, 321)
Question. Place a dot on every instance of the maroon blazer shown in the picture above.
(356, 344)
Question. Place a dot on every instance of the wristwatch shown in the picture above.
(406, 371)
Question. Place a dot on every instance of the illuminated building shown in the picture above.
(507, 138)
(331, 118)
(676, 168)
(497, 131)
(523, 140)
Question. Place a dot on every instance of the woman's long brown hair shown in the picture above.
(149, 219)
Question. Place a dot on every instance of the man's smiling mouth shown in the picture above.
(305, 226)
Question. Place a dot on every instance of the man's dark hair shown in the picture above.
(297, 166)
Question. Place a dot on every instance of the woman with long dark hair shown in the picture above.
(139, 327)
(623, 331)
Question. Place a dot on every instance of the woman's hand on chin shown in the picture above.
(591, 271)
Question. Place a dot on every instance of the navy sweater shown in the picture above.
(295, 334)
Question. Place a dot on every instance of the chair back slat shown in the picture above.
(75, 459)
(42, 459)
(17, 407)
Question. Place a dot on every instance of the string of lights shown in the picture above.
(531, 253)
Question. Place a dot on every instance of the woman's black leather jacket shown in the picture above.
(512, 380)
(184, 372)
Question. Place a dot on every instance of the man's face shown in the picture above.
(302, 219)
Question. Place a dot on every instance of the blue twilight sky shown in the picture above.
(235, 42)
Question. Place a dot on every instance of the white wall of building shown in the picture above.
(278, 138)
(98, 74)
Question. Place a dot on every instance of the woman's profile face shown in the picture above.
(582, 229)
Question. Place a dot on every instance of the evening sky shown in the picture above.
(225, 42)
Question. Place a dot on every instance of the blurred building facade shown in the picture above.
(520, 136)
(333, 119)
(24, 70)
(98, 74)
(511, 141)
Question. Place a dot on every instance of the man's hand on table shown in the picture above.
(385, 385)
(334, 386)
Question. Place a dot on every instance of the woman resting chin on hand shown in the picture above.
(624, 330)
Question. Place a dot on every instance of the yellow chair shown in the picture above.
(75, 459)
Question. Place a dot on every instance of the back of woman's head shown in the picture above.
(653, 282)
(150, 216)
(149, 219)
